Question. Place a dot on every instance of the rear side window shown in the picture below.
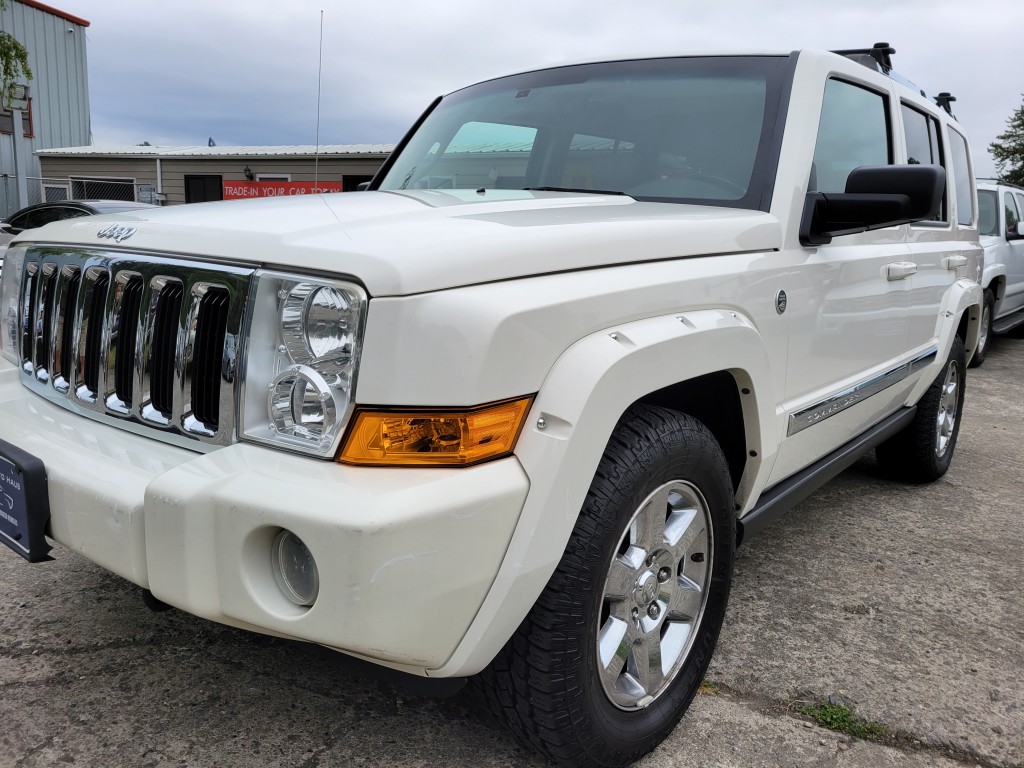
(988, 214)
(923, 144)
(963, 184)
(1010, 210)
(46, 215)
(853, 131)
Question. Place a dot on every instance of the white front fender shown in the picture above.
(573, 416)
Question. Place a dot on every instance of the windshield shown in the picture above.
(694, 130)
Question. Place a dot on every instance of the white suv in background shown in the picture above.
(1001, 208)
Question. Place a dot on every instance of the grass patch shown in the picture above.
(841, 719)
(708, 688)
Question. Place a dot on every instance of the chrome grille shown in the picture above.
(144, 340)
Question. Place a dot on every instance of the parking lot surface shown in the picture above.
(902, 604)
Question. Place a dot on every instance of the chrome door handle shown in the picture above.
(900, 270)
(955, 262)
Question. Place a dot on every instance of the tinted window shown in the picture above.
(20, 221)
(1020, 204)
(853, 131)
(923, 148)
(680, 130)
(1010, 211)
(962, 181)
(46, 215)
(988, 216)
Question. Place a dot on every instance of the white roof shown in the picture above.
(325, 150)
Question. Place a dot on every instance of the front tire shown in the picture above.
(615, 648)
(923, 451)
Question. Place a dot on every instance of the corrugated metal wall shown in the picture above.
(59, 90)
(174, 169)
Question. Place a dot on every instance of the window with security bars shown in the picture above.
(102, 189)
(7, 121)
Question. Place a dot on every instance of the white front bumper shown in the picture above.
(405, 556)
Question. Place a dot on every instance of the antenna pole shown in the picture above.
(319, 73)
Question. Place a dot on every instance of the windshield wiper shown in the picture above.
(573, 189)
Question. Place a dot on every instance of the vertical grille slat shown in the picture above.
(90, 360)
(165, 342)
(44, 322)
(64, 333)
(211, 329)
(134, 338)
(28, 315)
(127, 322)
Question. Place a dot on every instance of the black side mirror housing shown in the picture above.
(362, 186)
(876, 196)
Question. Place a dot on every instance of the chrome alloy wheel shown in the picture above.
(945, 422)
(654, 596)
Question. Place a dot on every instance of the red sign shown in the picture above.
(238, 190)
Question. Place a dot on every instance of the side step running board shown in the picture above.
(782, 497)
(1008, 323)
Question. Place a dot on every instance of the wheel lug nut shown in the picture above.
(664, 574)
(636, 612)
(652, 610)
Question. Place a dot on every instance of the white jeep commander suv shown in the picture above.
(509, 413)
(1000, 210)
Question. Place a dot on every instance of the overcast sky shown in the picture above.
(245, 71)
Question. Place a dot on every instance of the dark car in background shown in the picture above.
(43, 213)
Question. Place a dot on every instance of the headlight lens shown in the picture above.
(10, 283)
(301, 359)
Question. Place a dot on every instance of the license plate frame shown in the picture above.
(24, 503)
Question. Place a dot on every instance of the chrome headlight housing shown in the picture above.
(10, 285)
(303, 342)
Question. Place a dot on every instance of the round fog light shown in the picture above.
(295, 569)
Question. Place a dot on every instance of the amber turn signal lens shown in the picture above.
(435, 437)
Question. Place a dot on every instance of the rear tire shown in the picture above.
(923, 451)
(615, 648)
(985, 333)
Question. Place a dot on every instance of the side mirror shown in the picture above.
(1014, 233)
(362, 186)
(7, 229)
(876, 196)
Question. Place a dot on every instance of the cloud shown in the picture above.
(246, 72)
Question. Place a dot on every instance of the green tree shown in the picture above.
(13, 59)
(1008, 150)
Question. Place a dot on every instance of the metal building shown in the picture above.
(57, 109)
(172, 175)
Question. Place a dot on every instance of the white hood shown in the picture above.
(413, 242)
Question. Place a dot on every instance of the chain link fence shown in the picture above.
(44, 190)
(81, 188)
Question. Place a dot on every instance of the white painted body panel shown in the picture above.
(416, 242)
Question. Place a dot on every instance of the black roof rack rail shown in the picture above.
(879, 57)
(880, 52)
